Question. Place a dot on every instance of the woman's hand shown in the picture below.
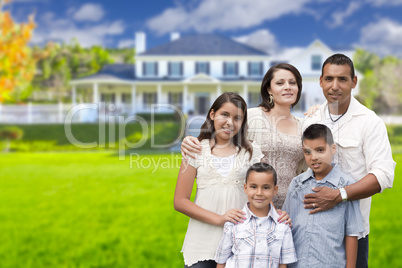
(312, 110)
(233, 215)
(284, 217)
(190, 146)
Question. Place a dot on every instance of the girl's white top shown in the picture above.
(216, 193)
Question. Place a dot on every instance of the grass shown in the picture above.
(84, 210)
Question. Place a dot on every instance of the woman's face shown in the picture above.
(284, 88)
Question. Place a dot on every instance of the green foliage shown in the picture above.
(11, 133)
(381, 87)
(94, 210)
(52, 137)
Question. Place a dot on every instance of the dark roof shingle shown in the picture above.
(203, 44)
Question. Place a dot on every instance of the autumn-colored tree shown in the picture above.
(17, 64)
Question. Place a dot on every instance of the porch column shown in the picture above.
(159, 97)
(185, 99)
(96, 93)
(133, 99)
(218, 90)
(245, 93)
(74, 95)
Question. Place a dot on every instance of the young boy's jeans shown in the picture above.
(362, 253)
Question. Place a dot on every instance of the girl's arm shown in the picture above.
(283, 265)
(351, 251)
(223, 265)
(183, 204)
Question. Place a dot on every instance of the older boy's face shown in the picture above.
(318, 155)
(260, 189)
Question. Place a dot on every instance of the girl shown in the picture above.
(220, 171)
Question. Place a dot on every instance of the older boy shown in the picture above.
(260, 241)
(329, 238)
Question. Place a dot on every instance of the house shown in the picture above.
(185, 74)
(189, 72)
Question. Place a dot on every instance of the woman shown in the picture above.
(273, 127)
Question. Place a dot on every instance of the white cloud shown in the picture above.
(126, 43)
(383, 37)
(89, 12)
(212, 15)
(61, 29)
(385, 2)
(261, 39)
(340, 16)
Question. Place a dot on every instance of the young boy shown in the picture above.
(260, 241)
(328, 238)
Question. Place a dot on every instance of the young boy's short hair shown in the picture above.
(316, 131)
(263, 167)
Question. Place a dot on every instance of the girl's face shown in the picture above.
(227, 121)
(284, 88)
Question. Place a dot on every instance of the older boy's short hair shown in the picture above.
(316, 131)
(263, 167)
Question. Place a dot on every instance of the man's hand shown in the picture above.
(322, 199)
(190, 146)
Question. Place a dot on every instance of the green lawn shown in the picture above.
(94, 210)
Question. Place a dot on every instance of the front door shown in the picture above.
(201, 104)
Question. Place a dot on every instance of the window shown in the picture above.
(150, 69)
(254, 99)
(202, 67)
(126, 98)
(316, 62)
(148, 99)
(176, 99)
(255, 68)
(175, 68)
(108, 98)
(230, 68)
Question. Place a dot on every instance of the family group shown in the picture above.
(275, 190)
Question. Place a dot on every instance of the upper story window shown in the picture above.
(255, 68)
(175, 68)
(316, 62)
(150, 68)
(230, 68)
(202, 67)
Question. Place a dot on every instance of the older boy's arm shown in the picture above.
(351, 251)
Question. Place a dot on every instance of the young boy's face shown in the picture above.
(318, 155)
(260, 189)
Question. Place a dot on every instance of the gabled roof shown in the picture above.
(203, 44)
(113, 72)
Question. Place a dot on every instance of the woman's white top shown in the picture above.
(216, 193)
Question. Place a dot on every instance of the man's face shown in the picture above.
(337, 85)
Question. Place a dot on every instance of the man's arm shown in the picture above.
(325, 198)
(351, 251)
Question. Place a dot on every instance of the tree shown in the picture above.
(17, 63)
(381, 87)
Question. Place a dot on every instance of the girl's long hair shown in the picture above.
(240, 140)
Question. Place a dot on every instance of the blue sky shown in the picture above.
(274, 26)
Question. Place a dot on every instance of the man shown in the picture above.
(364, 151)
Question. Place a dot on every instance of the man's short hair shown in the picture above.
(263, 167)
(339, 59)
(316, 131)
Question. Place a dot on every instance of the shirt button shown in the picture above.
(274, 236)
(257, 258)
(260, 225)
(259, 240)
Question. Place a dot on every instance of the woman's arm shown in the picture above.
(351, 251)
(183, 204)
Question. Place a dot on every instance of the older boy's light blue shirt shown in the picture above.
(319, 238)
